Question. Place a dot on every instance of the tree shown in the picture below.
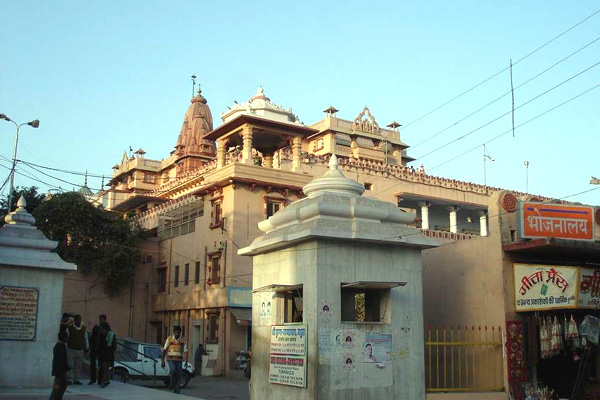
(32, 197)
(100, 242)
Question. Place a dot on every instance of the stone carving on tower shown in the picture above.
(192, 150)
(365, 122)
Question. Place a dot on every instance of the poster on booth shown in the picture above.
(18, 313)
(377, 348)
(589, 288)
(287, 370)
(288, 339)
(545, 287)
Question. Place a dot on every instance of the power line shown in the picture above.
(505, 94)
(518, 126)
(501, 71)
(508, 112)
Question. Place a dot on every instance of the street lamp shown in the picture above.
(34, 124)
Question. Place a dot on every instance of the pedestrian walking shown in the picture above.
(65, 322)
(77, 346)
(107, 345)
(60, 367)
(198, 358)
(175, 351)
(93, 347)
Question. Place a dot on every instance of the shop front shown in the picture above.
(551, 340)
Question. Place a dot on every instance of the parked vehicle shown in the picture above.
(135, 360)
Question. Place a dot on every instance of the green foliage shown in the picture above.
(100, 242)
(32, 197)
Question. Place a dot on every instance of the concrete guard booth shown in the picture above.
(31, 288)
(337, 298)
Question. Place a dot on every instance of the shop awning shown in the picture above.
(555, 249)
(242, 315)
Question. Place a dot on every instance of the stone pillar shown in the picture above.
(247, 143)
(268, 160)
(424, 214)
(296, 150)
(221, 152)
(453, 224)
(31, 283)
(483, 229)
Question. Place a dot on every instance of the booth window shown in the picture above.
(367, 301)
(186, 275)
(214, 268)
(212, 328)
(287, 301)
(176, 277)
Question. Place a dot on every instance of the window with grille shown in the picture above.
(180, 221)
(176, 276)
(186, 275)
(214, 268)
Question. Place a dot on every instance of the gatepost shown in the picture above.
(31, 287)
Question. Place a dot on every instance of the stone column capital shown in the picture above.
(424, 204)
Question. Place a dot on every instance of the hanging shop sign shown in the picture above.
(18, 313)
(589, 288)
(545, 287)
(542, 220)
(515, 357)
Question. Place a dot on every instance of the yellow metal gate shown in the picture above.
(464, 359)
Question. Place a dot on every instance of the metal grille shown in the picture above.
(464, 359)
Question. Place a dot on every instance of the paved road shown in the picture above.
(209, 388)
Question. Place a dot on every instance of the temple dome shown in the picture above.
(197, 123)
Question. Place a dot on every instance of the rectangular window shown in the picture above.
(367, 301)
(197, 276)
(217, 213)
(272, 207)
(293, 306)
(176, 277)
(368, 186)
(214, 268)
(212, 328)
(162, 280)
(186, 275)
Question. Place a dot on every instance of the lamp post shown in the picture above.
(34, 124)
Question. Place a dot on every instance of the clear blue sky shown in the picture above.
(103, 76)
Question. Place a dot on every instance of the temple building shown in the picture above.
(203, 203)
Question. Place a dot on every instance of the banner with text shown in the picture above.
(589, 288)
(545, 287)
(541, 220)
(288, 339)
(287, 370)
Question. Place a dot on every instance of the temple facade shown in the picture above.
(203, 203)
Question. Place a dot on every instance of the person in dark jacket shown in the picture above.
(60, 367)
(93, 346)
(107, 345)
(198, 358)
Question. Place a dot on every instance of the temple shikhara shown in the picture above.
(203, 202)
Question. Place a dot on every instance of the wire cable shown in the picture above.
(501, 71)
(508, 112)
(504, 95)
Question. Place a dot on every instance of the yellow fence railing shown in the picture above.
(465, 359)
